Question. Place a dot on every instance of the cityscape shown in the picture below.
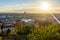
(11, 18)
(29, 19)
(10, 21)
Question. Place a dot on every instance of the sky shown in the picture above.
(32, 6)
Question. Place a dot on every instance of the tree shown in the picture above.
(46, 33)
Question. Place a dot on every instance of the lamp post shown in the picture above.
(1, 25)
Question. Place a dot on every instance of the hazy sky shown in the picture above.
(26, 5)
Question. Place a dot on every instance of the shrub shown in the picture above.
(50, 32)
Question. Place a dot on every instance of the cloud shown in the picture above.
(31, 6)
(18, 6)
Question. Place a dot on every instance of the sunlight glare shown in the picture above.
(44, 6)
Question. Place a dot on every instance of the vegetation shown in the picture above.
(39, 31)
(50, 32)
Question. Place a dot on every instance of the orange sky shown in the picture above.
(30, 6)
(31, 11)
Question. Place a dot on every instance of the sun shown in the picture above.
(44, 6)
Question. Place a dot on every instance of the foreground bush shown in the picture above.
(50, 32)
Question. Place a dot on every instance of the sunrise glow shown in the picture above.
(44, 6)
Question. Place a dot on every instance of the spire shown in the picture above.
(24, 15)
